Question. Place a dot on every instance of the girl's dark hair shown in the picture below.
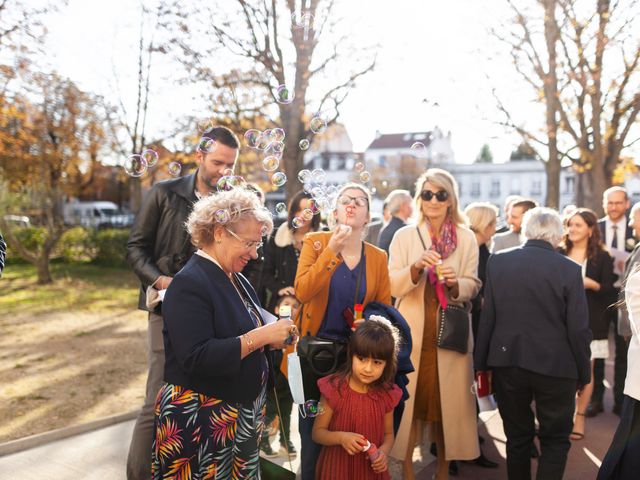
(294, 206)
(595, 244)
(375, 338)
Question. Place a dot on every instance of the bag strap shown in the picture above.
(420, 236)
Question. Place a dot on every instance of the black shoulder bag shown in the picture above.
(453, 332)
(320, 357)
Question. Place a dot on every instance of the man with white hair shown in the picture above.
(534, 335)
(400, 206)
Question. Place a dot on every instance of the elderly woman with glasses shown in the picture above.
(336, 271)
(434, 264)
(209, 410)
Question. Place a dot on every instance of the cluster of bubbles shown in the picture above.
(137, 165)
(311, 408)
(271, 143)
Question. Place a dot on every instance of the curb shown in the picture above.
(15, 446)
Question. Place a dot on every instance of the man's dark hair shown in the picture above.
(525, 204)
(223, 135)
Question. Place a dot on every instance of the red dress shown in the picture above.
(361, 413)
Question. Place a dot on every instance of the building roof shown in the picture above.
(400, 140)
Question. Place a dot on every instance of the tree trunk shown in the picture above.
(42, 266)
(590, 185)
(135, 189)
(552, 169)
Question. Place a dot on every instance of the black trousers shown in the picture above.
(622, 461)
(619, 369)
(516, 389)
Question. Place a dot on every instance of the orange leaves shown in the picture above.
(180, 395)
(223, 426)
(180, 469)
(168, 439)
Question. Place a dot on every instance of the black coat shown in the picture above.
(204, 318)
(387, 233)
(279, 268)
(600, 269)
(628, 234)
(535, 314)
(159, 243)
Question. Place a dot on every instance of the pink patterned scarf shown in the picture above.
(445, 245)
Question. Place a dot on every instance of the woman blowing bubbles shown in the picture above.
(209, 411)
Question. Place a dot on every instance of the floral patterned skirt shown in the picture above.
(199, 437)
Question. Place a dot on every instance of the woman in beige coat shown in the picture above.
(433, 263)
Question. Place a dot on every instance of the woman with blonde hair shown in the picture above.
(434, 264)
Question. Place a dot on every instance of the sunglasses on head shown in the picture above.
(441, 195)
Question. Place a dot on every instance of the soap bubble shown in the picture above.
(274, 149)
(204, 125)
(252, 137)
(270, 163)
(311, 408)
(419, 149)
(278, 179)
(317, 246)
(318, 176)
(359, 167)
(229, 182)
(313, 206)
(385, 184)
(206, 145)
(365, 177)
(304, 176)
(297, 222)
(264, 140)
(278, 135)
(318, 125)
(227, 172)
(264, 230)
(150, 156)
(307, 214)
(284, 94)
(174, 169)
(135, 166)
(281, 208)
(222, 216)
(304, 144)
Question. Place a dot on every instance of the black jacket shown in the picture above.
(159, 243)
(203, 319)
(600, 269)
(280, 264)
(535, 314)
(629, 240)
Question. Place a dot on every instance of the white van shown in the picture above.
(95, 215)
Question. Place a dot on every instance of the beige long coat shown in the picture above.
(455, 370)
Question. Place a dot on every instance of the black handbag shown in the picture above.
(273, 471)
(453, 333)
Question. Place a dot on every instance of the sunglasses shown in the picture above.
(440, 195)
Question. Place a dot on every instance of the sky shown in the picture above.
(430, 52)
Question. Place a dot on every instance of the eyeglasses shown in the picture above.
(248, 244)
(441, 195)
(359, 201)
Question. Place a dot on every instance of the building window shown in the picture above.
(382, 161)
(515, 186)
(536, 187)
(475, 189)
(495, 188)
(569, 183)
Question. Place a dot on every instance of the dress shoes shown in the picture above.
(484, 462)
(453, 468)
(593, 409)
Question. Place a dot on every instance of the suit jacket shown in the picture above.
(387, 233)
(535, 314)
(204, 318)
(628, 233)
(624, 326)
(509, 239)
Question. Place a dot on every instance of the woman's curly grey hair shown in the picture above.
(225, 209)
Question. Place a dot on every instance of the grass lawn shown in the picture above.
(77, 286)
(70, 352)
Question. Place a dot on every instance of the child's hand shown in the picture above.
(380, 465)
(352, 442)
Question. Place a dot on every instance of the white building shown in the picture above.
(389, 147)
(493, 182)
(333, 152)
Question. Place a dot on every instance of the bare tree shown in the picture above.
(581, 59)
(293, 43)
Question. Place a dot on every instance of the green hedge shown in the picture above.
(111, 247)
(77, 245)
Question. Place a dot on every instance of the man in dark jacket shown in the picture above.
(400, 206)
(158, 248)
(534, 335)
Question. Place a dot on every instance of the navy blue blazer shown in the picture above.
(203, 319)
(628, 233)
(535, 314)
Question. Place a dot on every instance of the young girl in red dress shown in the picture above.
(358, 403)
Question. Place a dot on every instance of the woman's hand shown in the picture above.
(380, 464)
(449, 274)
(353, 443)
(339, 237)
(279, 331)
(287, 291)
(591, 284)
(428, 259)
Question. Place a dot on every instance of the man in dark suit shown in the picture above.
(158, 247)
(400, 206)
(617, 235)
(534, 335)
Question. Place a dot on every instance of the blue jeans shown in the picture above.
(310, 450)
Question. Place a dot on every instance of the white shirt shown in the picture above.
(632, 299)
(621, 230)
